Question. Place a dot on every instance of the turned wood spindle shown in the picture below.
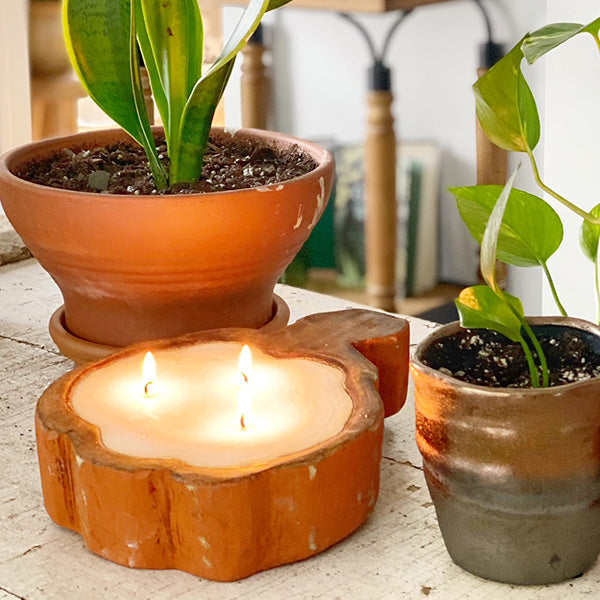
(255, 84)
(380, 194)
(492, 161)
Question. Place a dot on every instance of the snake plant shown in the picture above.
(103, 38)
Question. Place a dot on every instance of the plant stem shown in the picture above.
(561, 308)
(540, 353)
(597, 282)
(578, 211)
(535, 380)
(597, 40)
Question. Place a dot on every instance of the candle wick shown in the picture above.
(245, 377)
(243, 422)
(147, 387)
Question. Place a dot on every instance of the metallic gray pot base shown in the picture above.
(535, 547)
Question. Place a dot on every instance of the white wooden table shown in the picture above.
(397, 554)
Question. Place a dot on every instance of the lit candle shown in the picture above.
(210, 407)
(148, 373)
(245, 393)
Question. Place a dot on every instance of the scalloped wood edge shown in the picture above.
(228, 524)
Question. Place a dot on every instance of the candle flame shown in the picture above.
(148, 373)
(245, 391)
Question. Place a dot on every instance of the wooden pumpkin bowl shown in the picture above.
(227, 523)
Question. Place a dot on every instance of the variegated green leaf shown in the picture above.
(542, 41)
(488, 255)
(531, 229)
(505, 105)
(186, 165)
(480, 308)
(100, 39)
(589, 235)
(174, 30)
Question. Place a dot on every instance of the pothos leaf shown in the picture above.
(538, 43)
(488, 255)
(479, 307)
(589, 235)
(505, 105)
(542, 41)
(531, 230)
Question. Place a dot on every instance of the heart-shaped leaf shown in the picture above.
(480, 308)
(531, 230)
(505, 105)
(589, 235)
(489, 243)
(542, 41)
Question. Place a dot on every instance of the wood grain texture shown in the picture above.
(226, 524)
(398, 553)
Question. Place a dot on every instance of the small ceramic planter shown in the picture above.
(514, 473)
(134, 268)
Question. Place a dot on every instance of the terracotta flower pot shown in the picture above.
(133, 268)
(513, 473)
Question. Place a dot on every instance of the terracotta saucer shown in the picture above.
(82, 351)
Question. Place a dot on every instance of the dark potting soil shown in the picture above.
(488, 358)
(230, 163)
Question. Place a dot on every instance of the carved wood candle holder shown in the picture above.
(231, 519)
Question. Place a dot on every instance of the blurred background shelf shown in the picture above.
(436, 304)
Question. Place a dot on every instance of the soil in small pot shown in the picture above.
(230, 163)
(488, 358)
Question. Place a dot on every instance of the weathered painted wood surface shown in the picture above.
(397, 554)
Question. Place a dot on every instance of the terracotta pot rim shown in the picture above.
(16, 156)
(502, 392)
(82, 351)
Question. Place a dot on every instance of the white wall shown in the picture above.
(320, 64)
(15, 119)
(572, 149)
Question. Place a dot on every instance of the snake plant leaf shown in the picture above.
(186, 163)
(542, 41)
(174, 30)
(277, 3)
(479, 307)
(100, 40)
(505, 105)
(531, 230)
(158, 90)
(589, 235)
(489, 243)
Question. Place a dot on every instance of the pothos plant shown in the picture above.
(512, 225)
(103, 37)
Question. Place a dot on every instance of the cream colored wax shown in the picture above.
(191, 412)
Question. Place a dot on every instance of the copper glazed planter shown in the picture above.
(133, 268)
(514, 473)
